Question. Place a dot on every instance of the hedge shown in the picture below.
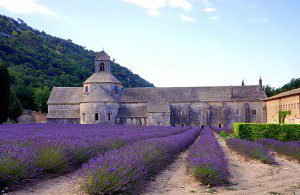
(255, 131)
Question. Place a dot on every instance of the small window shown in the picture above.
(211, 112)
(200, 112)
(253, 112)
(86, 89)
(237, 111)
(220, 125)
(96, 116)
(182, 125)
(83, 117)
(109, 116)
(102, 67)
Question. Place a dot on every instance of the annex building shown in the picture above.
(103, 100)
(286, 101)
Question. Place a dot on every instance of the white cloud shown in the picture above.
(26, 7)
(185, 18)
(183, 4)
(209, 9)
(153, 6)
(214, 18)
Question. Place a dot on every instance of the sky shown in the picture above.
(179, 42)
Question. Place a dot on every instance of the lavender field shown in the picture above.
(28, 151)
(110, 159)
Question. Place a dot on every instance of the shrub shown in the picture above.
(290, 149)
(255, 131)
(218, 130)
(206, 160)
(251, 150)
(129, 167)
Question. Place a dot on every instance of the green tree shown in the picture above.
(5, 92)
(41, 96)
(15, 107)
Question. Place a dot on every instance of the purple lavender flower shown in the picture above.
(290, 149)
(252, 150)
(206, 160)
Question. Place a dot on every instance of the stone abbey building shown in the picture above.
(103, 100)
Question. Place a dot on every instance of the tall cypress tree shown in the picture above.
(4, 92)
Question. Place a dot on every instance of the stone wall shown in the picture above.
(159, 119)
(106, 111)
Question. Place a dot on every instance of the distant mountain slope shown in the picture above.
(36, 59)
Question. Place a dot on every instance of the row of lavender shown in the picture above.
(206, 160)
(130, 167)
(251, 150)
(27, 151)
(290, 149)
(263, 148)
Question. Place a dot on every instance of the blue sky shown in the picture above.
(179, 42)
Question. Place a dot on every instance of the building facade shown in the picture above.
(103, 100)
(286, 101)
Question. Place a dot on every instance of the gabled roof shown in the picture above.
(60, 95)
(98, 95)
(102, 77)
(285, 94)
(192, 94)
(102, 56)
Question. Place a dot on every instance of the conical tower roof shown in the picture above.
(102, 77)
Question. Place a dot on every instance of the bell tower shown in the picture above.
(102, 63)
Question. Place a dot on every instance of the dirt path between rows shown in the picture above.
(254, 177)
(63, 185)
(248, 177)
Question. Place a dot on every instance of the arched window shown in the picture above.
(101, 67)
(96, 116)
(220, 125)
(109, 116)
(237, 111)
(182, 125)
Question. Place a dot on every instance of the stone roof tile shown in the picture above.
(102, 77)
(136, 111)
(61, 95)
(285, 94)
(63, 114)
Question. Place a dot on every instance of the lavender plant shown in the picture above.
(290, 149)
(129, 167)
(206, 160)
(252, 150)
